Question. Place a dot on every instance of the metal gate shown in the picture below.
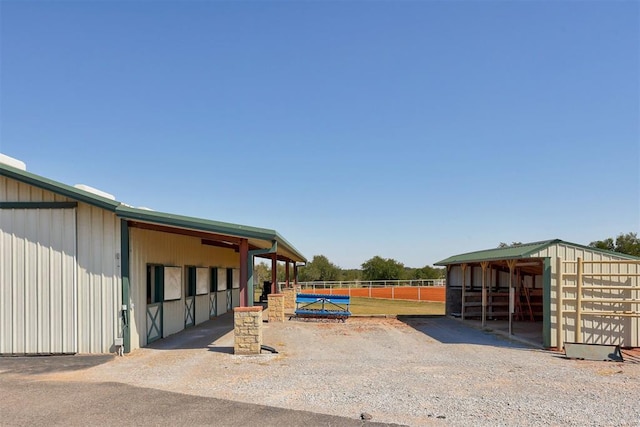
(229, 300)
(154, 322)
(213, 309)
(189, 311)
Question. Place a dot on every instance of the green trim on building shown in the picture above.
(58, 188)
(38, 205)
(517, 252)
(143, 215)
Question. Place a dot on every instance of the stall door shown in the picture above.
(38, 281)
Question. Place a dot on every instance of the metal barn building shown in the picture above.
(83, 273)
(564, 291)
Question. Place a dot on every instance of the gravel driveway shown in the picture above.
(426, 371)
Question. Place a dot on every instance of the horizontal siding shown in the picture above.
(154, 247)
(596, 330)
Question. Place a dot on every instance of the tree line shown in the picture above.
(376, 268)
(379, 268)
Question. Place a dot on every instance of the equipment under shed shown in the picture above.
(564, 291)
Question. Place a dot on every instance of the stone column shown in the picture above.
(247, 330)
(276, 308)
(290, 298)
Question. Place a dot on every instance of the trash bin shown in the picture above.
(266, 290)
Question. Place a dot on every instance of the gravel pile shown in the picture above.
(394, 372)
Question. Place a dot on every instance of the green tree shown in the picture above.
(512, 245)
(261, 273)
(319, 269)
(378, 268)
(428, 272)
(628, 243)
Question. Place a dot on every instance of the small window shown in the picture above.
(214, 279)
(155, 283)
(190, 284)
(229, 278)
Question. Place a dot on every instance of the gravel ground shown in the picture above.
(433, 371)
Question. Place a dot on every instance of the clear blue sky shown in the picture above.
(410, 130)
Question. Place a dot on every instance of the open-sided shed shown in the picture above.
(83, 273)
(573, 293)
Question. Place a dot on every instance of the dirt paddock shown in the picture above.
(414, 371)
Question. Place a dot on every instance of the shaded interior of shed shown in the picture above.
(526, 281)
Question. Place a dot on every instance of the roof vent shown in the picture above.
(18, 164)
(95, 191)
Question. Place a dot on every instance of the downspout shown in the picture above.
(250, 261)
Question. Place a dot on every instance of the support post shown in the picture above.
(578, 337)
(286, 273)
(246, 288)
(295, 273)
(464, 285)
(126, 285)
(274, 273)
(512, 300)
(559, 302)
(484, 265)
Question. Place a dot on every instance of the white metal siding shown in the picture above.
(99, 280)
(37, 269)
(94, 300)
(154, 247)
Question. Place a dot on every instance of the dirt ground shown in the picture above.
(414, 371)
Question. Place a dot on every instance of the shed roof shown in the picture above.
(154, 217)
(524, 250)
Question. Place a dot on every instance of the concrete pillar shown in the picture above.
(247, 330)
(276, 307)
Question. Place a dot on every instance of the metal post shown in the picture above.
(511, 264)
(484, 265)
(578, 337)
(464, 285)
(560, 316)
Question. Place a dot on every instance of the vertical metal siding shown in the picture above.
(38, 279)
(99, 282)
(75, 301)
(153, 247)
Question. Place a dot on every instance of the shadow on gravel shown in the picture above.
(35, 365)
(450, 331)
(200, 336)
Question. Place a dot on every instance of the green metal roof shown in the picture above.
(516, 252)
(155, 217)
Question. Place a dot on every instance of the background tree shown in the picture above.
(628, 243)
(427, 272)
(378, 268)
(261, 273)
(513, 244)
(319, 269)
